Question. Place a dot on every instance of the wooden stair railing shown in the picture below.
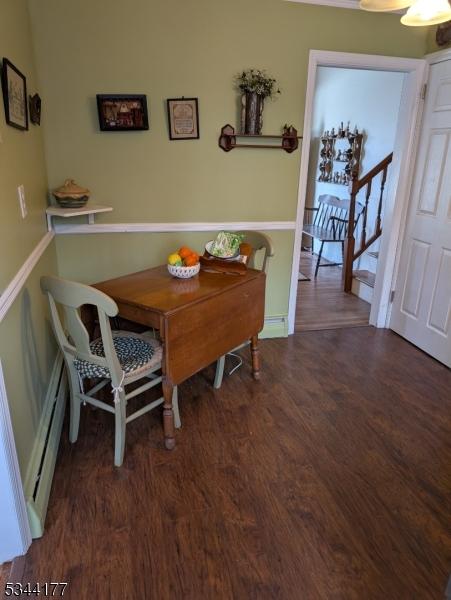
(350, 252)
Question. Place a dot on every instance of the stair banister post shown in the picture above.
(381, 196)
(350, 239)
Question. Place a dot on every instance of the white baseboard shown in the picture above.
(275, 327)
(38, 480)
(362, 290)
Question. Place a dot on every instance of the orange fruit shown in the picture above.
(185, 251)
(191, 260)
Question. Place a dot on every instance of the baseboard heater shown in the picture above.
(38, 480)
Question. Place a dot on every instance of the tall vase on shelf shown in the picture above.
(254, 86)
(252, 113)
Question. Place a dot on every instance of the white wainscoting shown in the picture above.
(11, 292)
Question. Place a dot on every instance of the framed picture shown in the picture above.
(122, 112)
(15, 98)
(183, 118)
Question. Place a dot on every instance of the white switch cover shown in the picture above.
(22, 203)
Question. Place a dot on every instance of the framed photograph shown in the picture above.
(183, 118)
(122, 112)
(15, 98)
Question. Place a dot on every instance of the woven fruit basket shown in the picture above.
(184, 272)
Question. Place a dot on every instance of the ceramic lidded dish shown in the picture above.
(71, 195)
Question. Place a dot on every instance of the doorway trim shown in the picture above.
(15, 534)
(416, 71)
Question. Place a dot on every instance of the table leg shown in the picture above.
(168, 416)
(255, 354)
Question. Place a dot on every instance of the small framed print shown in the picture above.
(183, 118)
(122, 112)
(14, 96)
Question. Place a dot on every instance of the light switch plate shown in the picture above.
(22, 203)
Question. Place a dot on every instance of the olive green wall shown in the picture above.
(170, 48)
(26, 344)
(21, 153)
(117, 254)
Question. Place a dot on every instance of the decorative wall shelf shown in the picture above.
(89, 209)
(347, 157)
(289, 141)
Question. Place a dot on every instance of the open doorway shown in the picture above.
(404, 77)
(353, 128)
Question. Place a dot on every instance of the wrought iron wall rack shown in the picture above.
(289, 140)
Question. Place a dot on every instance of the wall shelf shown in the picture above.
(347, 157)
(89, 209)
(288, 141)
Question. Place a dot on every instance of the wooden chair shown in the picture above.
(330, 224)
(258, 241)
(117, 357)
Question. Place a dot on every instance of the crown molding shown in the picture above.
(339, 4)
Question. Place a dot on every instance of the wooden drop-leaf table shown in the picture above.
(199, 320)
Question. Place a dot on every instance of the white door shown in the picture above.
(422, 304)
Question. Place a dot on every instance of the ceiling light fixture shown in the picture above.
(385, 5)
(427, 12)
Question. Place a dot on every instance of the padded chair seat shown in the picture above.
(135, 352)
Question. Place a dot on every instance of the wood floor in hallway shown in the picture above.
(329, 479)
(322, 303)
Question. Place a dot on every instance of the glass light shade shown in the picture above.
(385, 5)
(427, 12)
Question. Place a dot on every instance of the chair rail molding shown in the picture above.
(15, 534)
(13, 289)
(174, 227)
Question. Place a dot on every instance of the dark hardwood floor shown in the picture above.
(328, 479)
(322, 303)
(4, 574)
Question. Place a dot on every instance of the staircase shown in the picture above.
(362, 282)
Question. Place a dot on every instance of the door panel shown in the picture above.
(439, 318)
(433, 172)
(422, 305)
(419, 255)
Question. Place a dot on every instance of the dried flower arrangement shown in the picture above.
(257, 81)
